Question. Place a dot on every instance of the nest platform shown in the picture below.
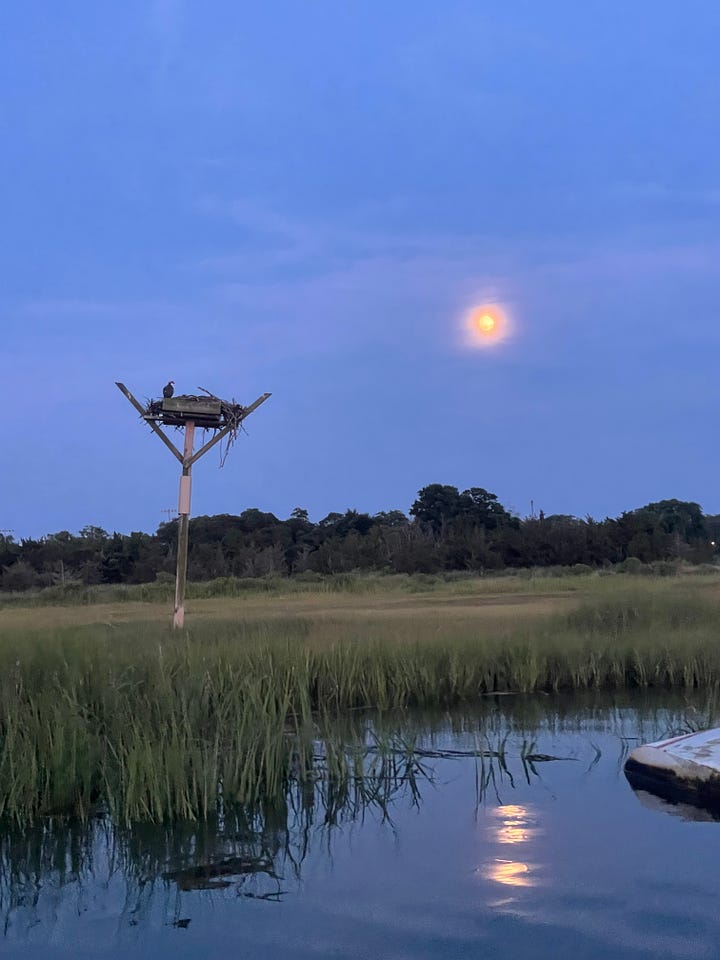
(209, 413)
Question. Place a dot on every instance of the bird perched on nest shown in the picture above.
(168, 389)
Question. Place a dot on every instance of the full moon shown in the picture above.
(486, 325)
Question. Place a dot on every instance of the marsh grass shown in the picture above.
(541, 580)
(149, 725)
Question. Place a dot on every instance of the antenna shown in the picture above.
(210, 413)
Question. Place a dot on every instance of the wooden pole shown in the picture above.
(183, 526)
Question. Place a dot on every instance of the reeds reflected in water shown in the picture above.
(336, 772)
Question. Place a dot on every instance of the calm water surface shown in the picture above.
(539, 850)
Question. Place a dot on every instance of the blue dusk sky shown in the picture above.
(306, 198)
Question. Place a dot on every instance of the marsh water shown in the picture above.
(508, 829)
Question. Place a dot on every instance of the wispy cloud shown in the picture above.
(284, 257)
(297, 287)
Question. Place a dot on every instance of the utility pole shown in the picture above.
(190, 411)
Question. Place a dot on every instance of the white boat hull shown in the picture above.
(684, 768)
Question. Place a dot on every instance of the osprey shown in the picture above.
(168, 389)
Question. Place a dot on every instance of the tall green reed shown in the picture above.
(151, 725)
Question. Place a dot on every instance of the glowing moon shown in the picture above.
(486, 325)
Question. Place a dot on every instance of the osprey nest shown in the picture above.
(207, 412)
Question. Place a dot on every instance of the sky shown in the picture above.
(306, 197)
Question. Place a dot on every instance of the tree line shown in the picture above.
(445, 529)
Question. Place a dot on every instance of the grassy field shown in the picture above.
(494, 609)
(103, 704)
(495, 601)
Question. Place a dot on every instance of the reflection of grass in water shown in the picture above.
(148, 724)
(338, 772)
(255, 849)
